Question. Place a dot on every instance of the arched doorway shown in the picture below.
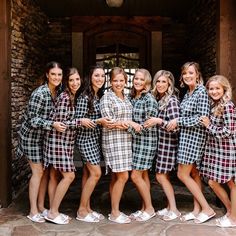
(113, 45)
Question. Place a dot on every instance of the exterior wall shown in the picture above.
(34, 42)
(28, 50)
(202, 35)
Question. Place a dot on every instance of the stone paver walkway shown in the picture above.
(13, 221)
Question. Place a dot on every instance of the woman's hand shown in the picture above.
(122, 125)
(205, 121)
(137, 127)
(86, 122)
(152, 121)
(59, 126)
(171, 125)
(105, 122)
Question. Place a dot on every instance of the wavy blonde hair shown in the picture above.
(148, 81)
(218, 107)
(197, 69)
(171, 90)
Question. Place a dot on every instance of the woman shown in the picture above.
(35, 122)
(144, 142)
(59, 146)
(168, 108)
(116, 142)
(192, 139)
(219, 162)
(88, 141)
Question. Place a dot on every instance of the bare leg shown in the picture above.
(144, 190)
(117, 190)
(113, 180)
(84, 180)
(85, 175)
(221, 194)
(147, 181)
(232, 188)
(94, 176)
(197, 179)
(184, 175)
(54, 179)
(62, 187)
(169, 191)
(43, 190)
(34, 183)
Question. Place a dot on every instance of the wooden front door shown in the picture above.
(116, 45)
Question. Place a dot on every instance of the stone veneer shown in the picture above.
(28, 50)
(35, 40)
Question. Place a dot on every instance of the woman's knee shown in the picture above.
(211, 183)
(69, 176)
(37, 170)
(95, 173)
(160, 178)
(135, 176)
(124, 176)
(182, 175)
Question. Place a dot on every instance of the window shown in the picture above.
(118, 55)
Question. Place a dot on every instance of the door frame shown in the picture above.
(95, 36)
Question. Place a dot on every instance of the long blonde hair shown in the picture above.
(148, 81)
(171, 90)
(218, 107)
(197, 69)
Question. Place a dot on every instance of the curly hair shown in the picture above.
(171, 90)
(218, 106)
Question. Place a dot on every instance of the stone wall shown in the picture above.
(35, 40)
(202, 35)
(28, 50)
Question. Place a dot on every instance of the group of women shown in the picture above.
(150, 126)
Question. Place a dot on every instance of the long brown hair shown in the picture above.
(73, 97)
(89, 91)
